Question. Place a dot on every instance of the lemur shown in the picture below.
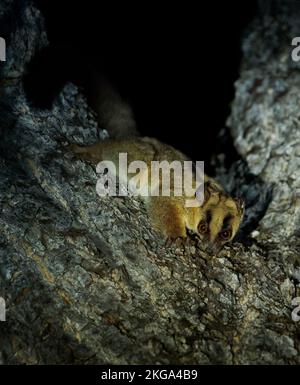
(215, 222)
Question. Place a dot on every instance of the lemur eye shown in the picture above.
(202, 227)
(225, 234)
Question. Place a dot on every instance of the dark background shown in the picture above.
(175, 63)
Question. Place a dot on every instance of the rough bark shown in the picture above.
(87, 280)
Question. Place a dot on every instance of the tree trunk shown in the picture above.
(87, 280)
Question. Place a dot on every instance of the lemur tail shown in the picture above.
(114, 114)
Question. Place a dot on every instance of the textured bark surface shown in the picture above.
(87, 280)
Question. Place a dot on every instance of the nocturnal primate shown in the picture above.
(215, 222)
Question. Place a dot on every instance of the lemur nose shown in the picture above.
(212, 249)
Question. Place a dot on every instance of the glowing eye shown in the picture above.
(202, 227)
(226, 234)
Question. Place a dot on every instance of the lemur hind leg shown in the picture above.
(90, 153)
(172, 226)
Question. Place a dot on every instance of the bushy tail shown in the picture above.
(114, 114)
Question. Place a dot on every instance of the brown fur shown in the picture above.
(218, 214)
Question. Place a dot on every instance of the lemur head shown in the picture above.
(220, 219)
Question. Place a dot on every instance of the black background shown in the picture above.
(174, 62)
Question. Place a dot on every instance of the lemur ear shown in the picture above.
(240, 204)
(210, 188)
(207, 190)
